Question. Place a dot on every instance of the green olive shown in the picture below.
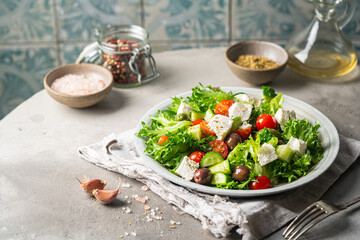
(181, 117)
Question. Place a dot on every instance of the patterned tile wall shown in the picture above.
(38, 35)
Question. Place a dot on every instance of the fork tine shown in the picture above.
(298, 219)
(316, 213)
(310, 225)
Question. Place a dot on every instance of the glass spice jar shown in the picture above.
(125, 51)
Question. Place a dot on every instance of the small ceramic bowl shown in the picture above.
(258, 48)
(87, 69)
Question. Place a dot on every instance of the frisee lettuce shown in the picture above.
(203, 98)
(305, 131)
(268, 93)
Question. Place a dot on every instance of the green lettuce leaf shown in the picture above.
(203, 98)
(237, 185)
(267, 108)
(303, 130)
(176, 103)
(268, 93)
(297, 168)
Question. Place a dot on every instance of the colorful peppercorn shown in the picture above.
(118, 64)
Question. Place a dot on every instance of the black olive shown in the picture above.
(232, 140)
(241, 173)
(280, 142)
(202, 176)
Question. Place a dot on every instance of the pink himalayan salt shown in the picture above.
(76, 85)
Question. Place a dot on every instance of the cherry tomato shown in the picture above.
(197, 121)
(262, 183)
(223, 107)
(266, 121)
(163, 139)
(197, 156)
(204, 126)
(244, 133)
(220, 147)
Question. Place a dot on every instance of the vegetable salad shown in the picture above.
(232, 140)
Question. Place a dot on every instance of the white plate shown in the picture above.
(328, 133)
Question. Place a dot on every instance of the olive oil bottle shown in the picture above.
(321, 50)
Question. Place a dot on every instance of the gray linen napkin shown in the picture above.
(254, 218)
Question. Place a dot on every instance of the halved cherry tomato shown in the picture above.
(223, 107)
(266, 121)
(197, 156)
(163, 139)
(262, 182)
(220, 147)
(244, 133)
(204, 126)
(197, 121)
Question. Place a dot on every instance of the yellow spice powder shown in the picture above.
(255, 62)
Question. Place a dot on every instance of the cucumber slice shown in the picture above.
(222, 167)
(259, 170)
(195, 131)
(197, 115)
(211, 158)
(220, 178)
(285, 153)
(208, 115)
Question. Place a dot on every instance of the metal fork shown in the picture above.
(313, 215)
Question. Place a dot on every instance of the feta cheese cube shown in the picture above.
(266, 154)
(221, 125)
(249, 99)
(240, 110)
(184, 108)
(282, 116)
(187, 168)
(298, 145)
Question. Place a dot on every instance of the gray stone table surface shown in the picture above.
(40, 198)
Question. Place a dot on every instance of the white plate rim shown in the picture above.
(328, 132)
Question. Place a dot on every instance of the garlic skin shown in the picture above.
(106, 196)
(90, 185)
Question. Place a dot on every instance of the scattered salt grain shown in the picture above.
(127, 210)
(156, 209)
(144, 188)
(133, 233)
(125, 185)
(172, 222)
(148, 219)
(146, 207)
(146, 198)
(126, 197)
(76, 85)
(126, 233)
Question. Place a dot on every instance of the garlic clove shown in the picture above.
(90, 185)
(106, 196)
